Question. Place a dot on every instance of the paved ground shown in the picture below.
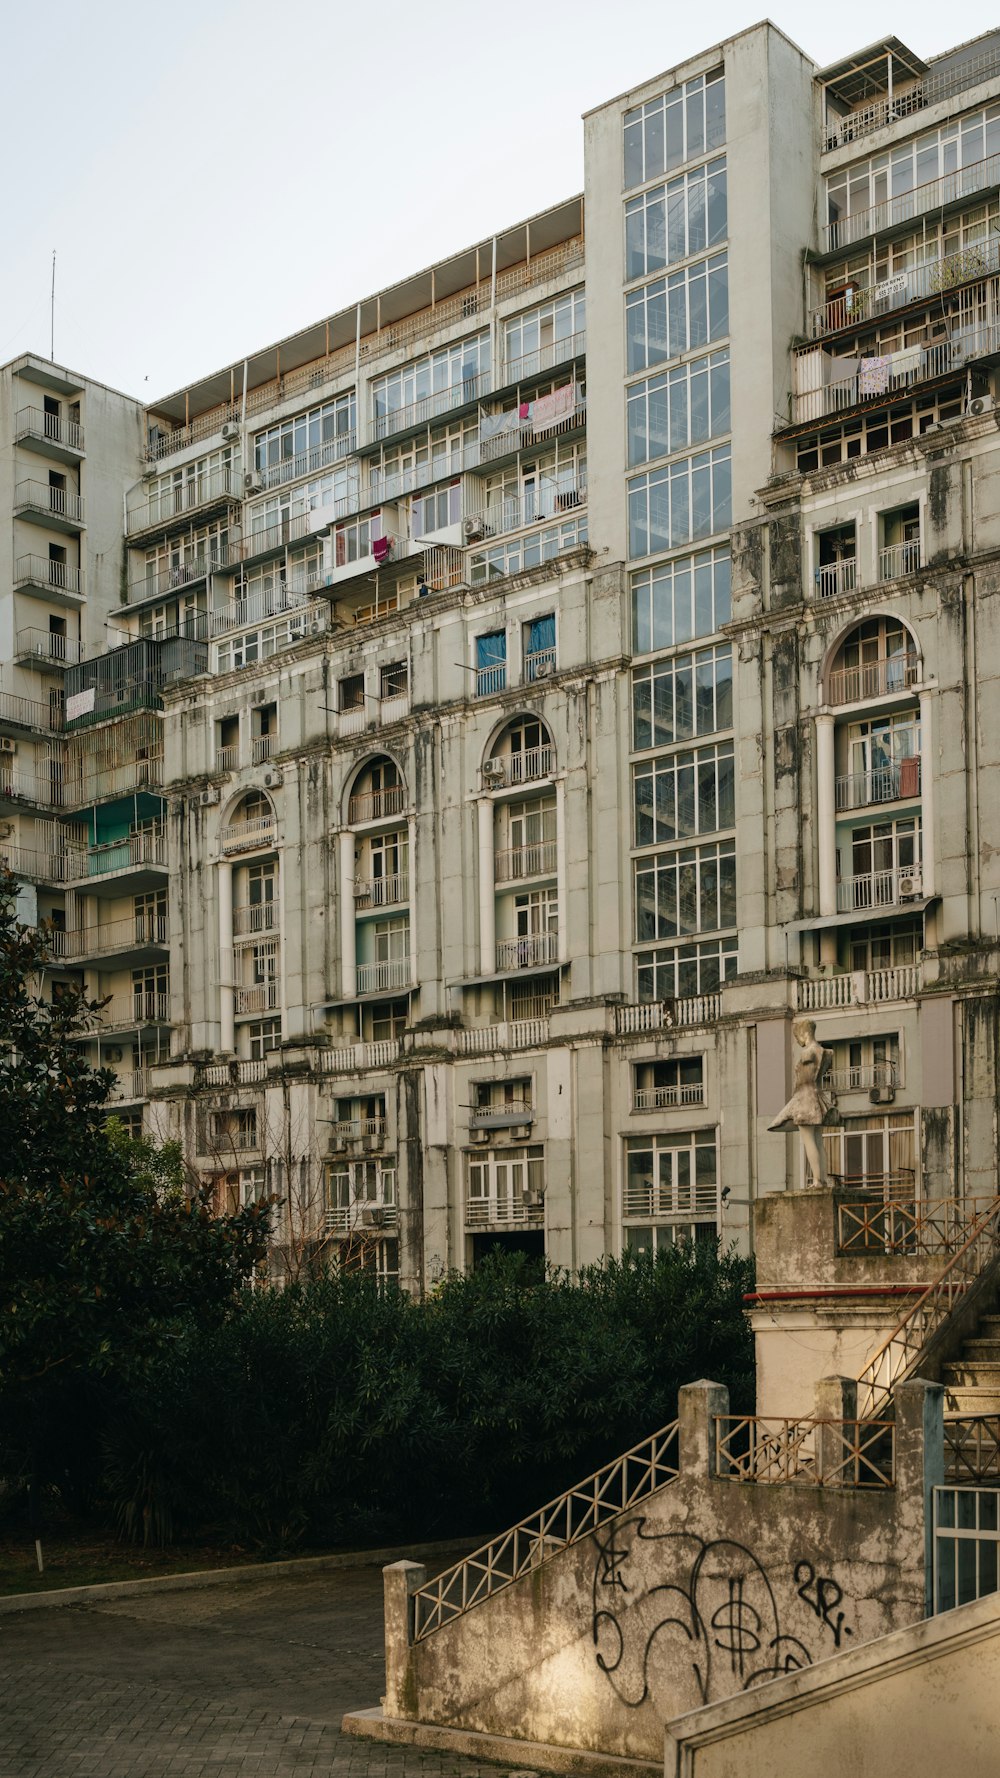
(247, 1681)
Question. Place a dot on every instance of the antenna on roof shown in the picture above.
(52, 329)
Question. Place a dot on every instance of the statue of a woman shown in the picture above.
(807, 1107)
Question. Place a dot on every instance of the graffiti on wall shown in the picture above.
(720, 1616)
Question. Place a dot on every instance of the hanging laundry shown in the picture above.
(906, 363)
(550, 409)
(524, 411)
(381, 548)
(873, 376)
(499, 425)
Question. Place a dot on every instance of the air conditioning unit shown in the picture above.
(150, 472)
(532, 1200)
(980, 404)
(520, 1132)
(207, 797)
(882, 1095)
(253, 483)
(473, 528)
(231, 430)
(273, 778)
(478, 1135)
(494, 771)
(7, 745)
(370, 1142)
(544, 670)
(373, 1219)
(910, 886)
(116, 1055)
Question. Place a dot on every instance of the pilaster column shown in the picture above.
(826, 815)
(927, 836)
(411, 879)
(487, 889)
(561, 871)
(348, 945)
(227, 1018)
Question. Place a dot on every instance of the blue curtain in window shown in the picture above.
(542, 634)
(491, 650)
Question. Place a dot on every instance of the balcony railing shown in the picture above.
(258, 997)
(129, 1087)
(259, 916)
(886, 784)
(308, 462)
(897, 559)
(30, 713)
(543, 358)
(227, 758)
(123, 1011)
(234, 1073)
(864, 987)
(929, 91)
(527, 951)
(660, 1015)
(884, 378)
(836, 577)
(375, 805)
(539, 665)
(527, 509)
(490, 680)
(247, 836)
(360, 1217)
(522, 1209)
(650, 1200)
(873, 679)
(906, 1224)
(503, 1116)
(135, 932)
(208, 425)
(688, 1092)
(137, 849)
(56, 577)
(525, 861)
(511, 1034)
(44, 647)
(899, 1183)
(820, 1453)
(856, 306)
(61, 503)
(357, 1129)
(40, 865)
(36, 788)
(432, 407)
(183, 498)
(382, 978)
(520, 435)
(101, 785)
(262, 747)
(354, 1058)
(258, 607)
(895, 212)
(181, 575)
(865, 1078)
(32, 422)
(878, 889)
(305, 379)
(508, 769)
(381, 892)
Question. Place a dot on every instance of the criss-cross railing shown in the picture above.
(812, 1453)
(564, 1521)
(893, 1223)
(900, 1351)
(972, 1448)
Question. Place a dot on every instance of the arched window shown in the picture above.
(522, 751)
(378, 790)
(874, 660)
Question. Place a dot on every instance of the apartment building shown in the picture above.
(494, 711)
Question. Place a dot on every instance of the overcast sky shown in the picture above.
(217, 173)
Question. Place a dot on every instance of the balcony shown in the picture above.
(858, 306)
(508, 1116)
(887, 377)
(362, 1216)
(227, 758)
(58, 582)
(887, 784)
(528, 951)
(48, 435)
(873, 679)
(544, 358)
(518, 434)
(660, 1015)
(882, 1077)
(516, 514)
(385, 977)
(690, 1092)
(46, 652)
(510, 1034)
(136, 853)
(130, 1087)
(136, 936)
(879, 889)
(518, 862)
(539, 665)
(58, 509)
(897, 212)
(832, 578)
(431, 407)
(376, 805)
(490, 680)
(511, 769)
(262, 748)
(258, 997)
(197, 494)
(309, 462)
(41, 866)
(897, 559)
(359, 1129)
(110, 782)
(153, 588)
(231, 1074)
(359, 1058)
(29, 714)
(381, 892)
(863, 987)
(38, 790)
(253, 835)
(648, 1201)
(258, 916)
(513, 1209)
(123, 1012)
(259, 607)
(928, 91)
(209, 425)
(272, 540)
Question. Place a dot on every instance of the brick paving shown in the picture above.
(244, 1681)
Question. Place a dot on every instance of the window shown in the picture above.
(689, 308)
(227, 743)
(659, 1085)
(875, 658)
(679, 600)
(434, 512)
(491, 663)
(371, 1254)
(888, 179)
(391, 940)
(440, 381)
(691, 889)
(360, 1117)
(515, 554)
(505, 1185)
(678, 408)
(899, 551)
(883, 758)
(540, 647)
(308, 442)
(678, 795)
(866, 1064)
(674, 221)
(264, 732)
(361, 1195)
(389, 1019)
(532, 1000)
(351, 692)
(684, 696)
(264, 1036)
(236, 1129)
(676, 972)
(531, 339)
(257, 645)
(836, 553)
(671, 1178)
(884, 865)
(150, 912)
(150, 992)
(876, 1153)
(393, 680)
(688, 499)
(501, 1104)
(675, 127)
(895, 946)
(536, 912)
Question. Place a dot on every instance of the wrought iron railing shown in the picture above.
(507, 769)
(836, 577)
(898, 1224)
(245, 836)
(564, 1521)
(972, 1448)
(814, 1453)
(516, 862)
(896, 1356)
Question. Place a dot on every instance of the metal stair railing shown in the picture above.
(898, 1354)
(564, 1521)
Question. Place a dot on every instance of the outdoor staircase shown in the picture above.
(972, 1381)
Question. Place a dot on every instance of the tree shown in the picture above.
(106, 1252)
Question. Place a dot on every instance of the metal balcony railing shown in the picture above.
(181, 499)
(57, 577)
(180, 575)
(362, 1216)
(40, 865)
(311, 461)
(508, 769)
(894, 212)
(262, 747)
(62, 503)
(885, 378)
(864, 1078)
(688, 1092)
(490, 680)
(135, 932)
(246, 836)
(381, 892)
(259, 916)
(42, 645)
(873, 679)
(136, 850)
(897, 559)
(526, 952)
(928, 91)
(208, 425)
(383, 978)
(520, 511)
(858, 306)
(123, 1011)
(33, 422)
(30, 713)
(878, 889)
(36, 788)
(543, 358)
(522, 1209)
(836, 577)
(129, 1087)
(539, 665)
(227, 758)
(501, 1116)
(651, 1200)
(885, 784)
(432, 407)
(375, 805)
(820, 1453)
(356, 1129)
(99, 784)
(257, 997)
(525, 861)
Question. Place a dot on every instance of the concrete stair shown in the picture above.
(972, 1381)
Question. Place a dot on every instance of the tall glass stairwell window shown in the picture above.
(675, 127)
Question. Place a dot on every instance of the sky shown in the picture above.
(215, 174)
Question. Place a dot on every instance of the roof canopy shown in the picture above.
(868, 73)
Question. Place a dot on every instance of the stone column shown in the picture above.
(697, 1406)
(919, 1466)
(487, 890)
(927, 793)
(836, 1401)
(561, 879)
(400, 1580)
(227, 1021)
(826, 815)
(348, 946)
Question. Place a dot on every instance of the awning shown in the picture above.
(865, 75)
(897, 910)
